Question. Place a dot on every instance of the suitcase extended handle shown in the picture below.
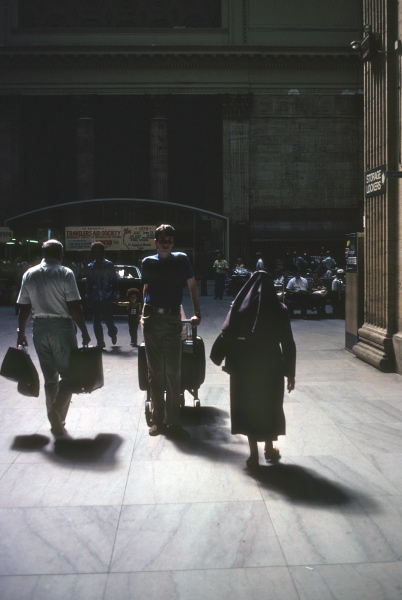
(193, 328)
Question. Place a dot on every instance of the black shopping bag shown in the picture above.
(17, 365)
(86, 370)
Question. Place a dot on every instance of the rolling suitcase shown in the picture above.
(192, 368)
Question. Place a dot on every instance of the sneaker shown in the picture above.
(177, 432)
(155, 430)
(114, 339)
(55, 422)
(101, 345)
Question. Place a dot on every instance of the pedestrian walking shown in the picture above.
(49, 291)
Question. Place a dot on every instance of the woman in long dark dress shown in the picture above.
(260, 352)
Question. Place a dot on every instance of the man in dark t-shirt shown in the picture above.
(163, 276)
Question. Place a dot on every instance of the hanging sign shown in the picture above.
(375, 181)
(115, 237)
(81, 238)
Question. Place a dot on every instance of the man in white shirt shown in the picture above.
(298, 291)
(49, 291)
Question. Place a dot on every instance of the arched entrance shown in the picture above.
(200, 232)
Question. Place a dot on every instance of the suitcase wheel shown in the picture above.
(148, 413)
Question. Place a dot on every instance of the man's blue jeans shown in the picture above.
(54, 339)
(162, 337)
(103, 310)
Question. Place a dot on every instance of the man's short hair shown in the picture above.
(164, 229)
(100, 245)
(52, 249)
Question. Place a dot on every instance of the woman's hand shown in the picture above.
(291, 384)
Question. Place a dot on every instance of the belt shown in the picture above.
(156, 310)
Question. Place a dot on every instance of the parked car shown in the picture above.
(128, 276)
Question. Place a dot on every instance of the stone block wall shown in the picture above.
(304, 153)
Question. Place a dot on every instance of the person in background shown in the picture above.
(221, 268)
(163, 275)
(134, 310)
(101, 292)
(50, 292)
(298, 290)
(258, 345)
(318, 294)
(299, 263)
(329, 262)
(259, 266)
(338, 293)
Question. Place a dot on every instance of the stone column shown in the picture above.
(159, 173)
(375, 344)
(236, 187)
(397, 184)
(85, 151)
(10, 159)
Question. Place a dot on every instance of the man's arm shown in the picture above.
(192, 286)
(144, 291)
(77, 314)
(23, 318)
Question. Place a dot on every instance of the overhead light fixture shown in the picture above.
(368, 46)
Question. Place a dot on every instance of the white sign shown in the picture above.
(138, 237)
(115, 237)
(81, 238)
(6, 234)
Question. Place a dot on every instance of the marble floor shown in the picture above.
(110, 513)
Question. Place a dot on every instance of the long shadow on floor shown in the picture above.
(210, 437)
(81, 451)
(303, 486)
(29, 443)
(86, 450)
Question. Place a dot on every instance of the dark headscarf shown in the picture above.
(255, 305)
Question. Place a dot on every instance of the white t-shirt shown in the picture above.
(296, 285)
(48, 287)
(220, 266)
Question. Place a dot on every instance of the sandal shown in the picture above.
(272, 455)
(252, 463)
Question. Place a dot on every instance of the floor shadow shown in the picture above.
(29, 443)
(209, 435)
(85, 451)
(120, 351)
(302, 485)
(204, 415)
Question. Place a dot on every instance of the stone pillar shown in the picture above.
(397, 183)
(85, 152)
(159, 173)
(10, 159)
(236, 185)
(376, 344)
